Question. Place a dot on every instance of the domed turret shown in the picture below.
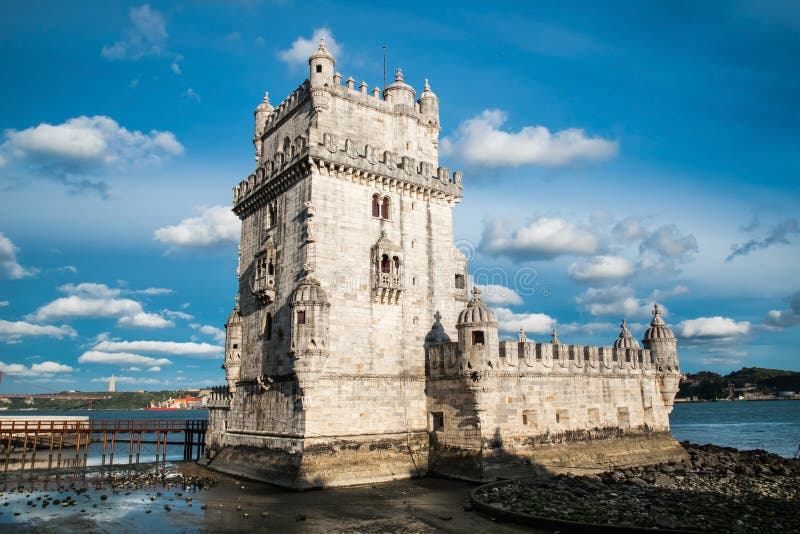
(477, 333)
(321, 65)
(399, 92)
(233, 343)
(309, 338)
(262, 113)
(625, 339)
(429, 106)
(476, 312)
(658, 330)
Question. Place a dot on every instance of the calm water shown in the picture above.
(769, 425)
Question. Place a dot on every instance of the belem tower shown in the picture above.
(356, 354)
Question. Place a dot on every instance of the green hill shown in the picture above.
(709, 386)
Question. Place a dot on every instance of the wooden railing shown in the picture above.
(53, 444)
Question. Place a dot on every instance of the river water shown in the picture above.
(769, 425)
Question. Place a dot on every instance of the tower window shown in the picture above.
(301, 317)
(460, 281)
(376, 205)
(386, 208)
(268, 327)
(437, 421)
(386, 266)
(477, 337)
(319, 68)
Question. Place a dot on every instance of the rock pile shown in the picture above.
(717, 489)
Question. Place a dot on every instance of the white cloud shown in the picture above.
(713, 328)
(178, 314)
(44, 369)
(788, 317)
(630, 229)
(120, 358)
(134, 369)
(669, 243)
(217, 333)
(499, 295)
(154, 369)
(303, 48)
(89, 289)
(82, 146)
(191, 94)
(12, 331)
(601, 268)
(162, 347)
(480, 140)
(70, 268)
(542, 238)
(175, 65)
(127, 312)
(3, 303)
(619, 301)
(147, 36)
(215, 225)
(9, 266)
(535, 323)
(153, 291)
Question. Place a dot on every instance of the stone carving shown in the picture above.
(329, 140)
(369, 152)
(350, 148)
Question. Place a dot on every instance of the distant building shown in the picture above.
(112, 384)
(355, 353)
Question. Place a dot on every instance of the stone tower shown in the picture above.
(346, 259)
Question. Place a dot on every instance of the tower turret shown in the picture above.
(310, 309)
(262, 113)
(321, 64)
(399, 92)
(625, 339)
(429, 106)
(663, 346)
(233, 350)
(477, 332)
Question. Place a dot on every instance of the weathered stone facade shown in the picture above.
(339, 359)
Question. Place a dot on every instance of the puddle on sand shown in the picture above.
(166, 500)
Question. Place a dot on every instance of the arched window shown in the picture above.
(268, 327)
(396, 262)
(376, 205)
(386, 266)
(270, 268)
(301, 317)
(386, 208)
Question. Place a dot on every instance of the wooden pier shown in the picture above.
(55, 443)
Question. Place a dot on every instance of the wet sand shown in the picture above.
(170, 501)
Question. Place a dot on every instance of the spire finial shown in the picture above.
(322, 43)
(554, 340)
(427, 87)
(624, 324)
(398, 76)
(656, 311)
(266, 98)
(475, 291)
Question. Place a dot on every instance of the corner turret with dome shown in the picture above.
(354, 353)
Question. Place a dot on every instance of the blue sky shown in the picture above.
(613, 155)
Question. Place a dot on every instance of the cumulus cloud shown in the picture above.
(153, 291)
(542, 238)
(779, 234)
(217, 333)
(127, 312)
(303, 48)
(89, 289)
(214, 225)
(496, 295)
(83, 146)
(601, 268)
(154, 369)
(668, 242)
(44, 369)
(13, 331)
(120, 358)
(712, 328)
(535, 323)
(162, 347)
(9, 266)
(630, 229)
(147, 36)
(3, 303)
(481, 140)
(619, 301)
(787, 317)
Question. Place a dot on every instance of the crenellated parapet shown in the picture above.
(220, 398)
(446, 360)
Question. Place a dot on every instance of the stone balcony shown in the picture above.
(387, 287)
(264, 288)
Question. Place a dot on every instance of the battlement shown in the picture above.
(540, 358)
(373, 163)
(220, 397)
